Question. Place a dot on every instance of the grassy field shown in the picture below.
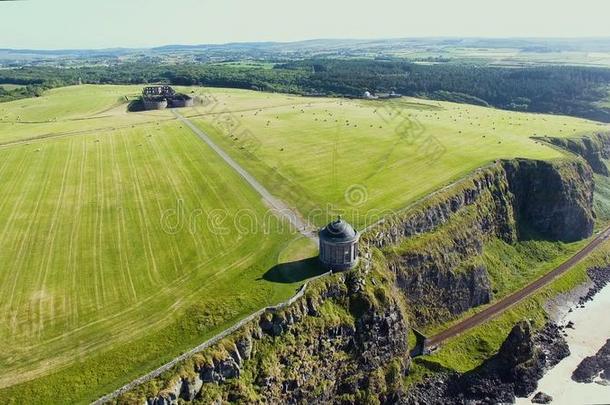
(120, 245)
(7, 86)
(507, 57)
(357, 157)
(72, 110)
(114, 240)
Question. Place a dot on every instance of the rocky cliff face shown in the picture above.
(553, 200)
(345, 341)
(435, 249)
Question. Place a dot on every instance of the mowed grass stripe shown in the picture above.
(110, 250)
(72, 307)
(171, 192)
(98, 242)
(197, 223)
(121, 228)
(151, 265)
(22, 246)
(51, 248)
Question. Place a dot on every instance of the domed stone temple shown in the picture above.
(339, 245)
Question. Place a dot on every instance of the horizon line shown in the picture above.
(371, 39)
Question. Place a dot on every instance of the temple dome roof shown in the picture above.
(338, 231)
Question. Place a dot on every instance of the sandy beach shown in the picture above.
(592, 329)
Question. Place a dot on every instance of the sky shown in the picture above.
(61, 24)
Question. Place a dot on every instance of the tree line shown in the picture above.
(569, 90)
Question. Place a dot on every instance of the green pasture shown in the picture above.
(508, 57)
(358, 158)
(10, 86)
(74, 110)
(123, 247)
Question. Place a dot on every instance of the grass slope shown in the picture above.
(74, 110)
(601, 200)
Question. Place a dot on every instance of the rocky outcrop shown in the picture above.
(550, 340)
(344, 341)
(435, 249)
(514, 371)
(542, 398)
(595, 368)
(593, 148)
(519, 361)
(600, 277)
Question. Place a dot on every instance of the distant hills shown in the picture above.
(323, 47)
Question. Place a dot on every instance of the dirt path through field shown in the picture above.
(284, 211)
